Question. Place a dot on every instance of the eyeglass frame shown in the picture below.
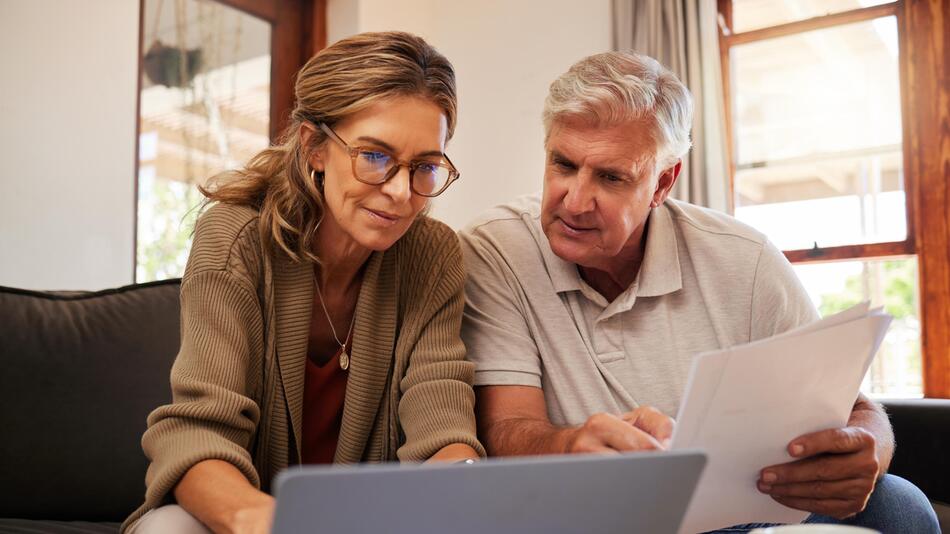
(354, 153)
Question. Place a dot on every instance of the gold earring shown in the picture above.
(317, 178)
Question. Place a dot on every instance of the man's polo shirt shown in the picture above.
(706, 282)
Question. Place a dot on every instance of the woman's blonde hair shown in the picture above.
(342, 79)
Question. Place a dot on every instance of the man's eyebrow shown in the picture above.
(601, 169)
(617, 171)
(386, 146)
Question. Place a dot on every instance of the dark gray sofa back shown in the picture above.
(81, 372)
(922, 430)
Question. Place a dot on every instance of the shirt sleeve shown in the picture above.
(495, 325)
(779, 301)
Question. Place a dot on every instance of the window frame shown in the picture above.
(298, 31)
(922, 62)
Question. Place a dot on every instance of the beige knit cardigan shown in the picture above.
(238, 381)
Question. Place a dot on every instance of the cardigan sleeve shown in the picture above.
(437, 403)
(212, 415)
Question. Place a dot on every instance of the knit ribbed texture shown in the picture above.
(238, 381)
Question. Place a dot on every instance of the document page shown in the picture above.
(743, 405)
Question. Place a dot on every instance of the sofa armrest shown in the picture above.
(922, 432)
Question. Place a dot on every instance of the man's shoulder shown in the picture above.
(508, 237)
(714, 225)
(518, 218)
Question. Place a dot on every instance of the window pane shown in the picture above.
(754, 14)
(875, 215)
(896, 370)
(202, 111)
(818, 136)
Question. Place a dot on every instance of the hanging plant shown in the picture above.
(171, 66)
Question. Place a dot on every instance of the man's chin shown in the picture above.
(568, 250)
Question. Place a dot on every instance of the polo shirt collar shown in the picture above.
(659, 274)
(564, 275)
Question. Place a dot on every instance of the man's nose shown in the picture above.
(580, 196)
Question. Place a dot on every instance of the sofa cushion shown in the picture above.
(81, 372)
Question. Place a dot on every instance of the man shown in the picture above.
(585, 306)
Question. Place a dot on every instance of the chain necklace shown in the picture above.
(344, 356)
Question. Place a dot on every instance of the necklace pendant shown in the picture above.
(344, 360)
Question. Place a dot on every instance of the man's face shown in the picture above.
(599, 184)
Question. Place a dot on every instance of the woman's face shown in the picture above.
(376, 216)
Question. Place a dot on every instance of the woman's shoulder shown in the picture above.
(429, 238)
(428, 256)
(226, 238)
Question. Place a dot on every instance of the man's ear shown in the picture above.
(665, 183)
(315, 159)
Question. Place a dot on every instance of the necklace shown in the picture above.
(344, 357)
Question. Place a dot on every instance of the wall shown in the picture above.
(67, 98)
(506, 53)
(67, 142)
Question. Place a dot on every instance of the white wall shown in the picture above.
(67, 142)
(506, 53)
(67, 116)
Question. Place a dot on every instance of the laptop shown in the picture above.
(627, 493)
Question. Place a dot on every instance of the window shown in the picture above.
(197, 117)
(216, 86)
(819, 108)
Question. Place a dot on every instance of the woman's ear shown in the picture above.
(315, 157)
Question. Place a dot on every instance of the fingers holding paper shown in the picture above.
(834, 475)
(644, 428)
(653, 422)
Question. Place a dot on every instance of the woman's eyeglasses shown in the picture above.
(373, 166)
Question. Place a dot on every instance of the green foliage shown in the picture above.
(899, 278)
(165, 230)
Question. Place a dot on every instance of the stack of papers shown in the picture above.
(743, 405)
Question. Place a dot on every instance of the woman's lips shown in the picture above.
(383, 218)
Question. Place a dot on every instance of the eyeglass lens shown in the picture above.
(375, 167)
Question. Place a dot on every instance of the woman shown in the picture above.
(320, 310)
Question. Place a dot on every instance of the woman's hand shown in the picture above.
(218, 495)
(455, 452)
(256, 518)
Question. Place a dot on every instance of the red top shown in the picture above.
(323, 392)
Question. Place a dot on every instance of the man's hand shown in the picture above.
(644, 428)
(834, 475)
(653, 422)
(513, 421)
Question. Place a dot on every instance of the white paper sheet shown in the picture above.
(743, 406)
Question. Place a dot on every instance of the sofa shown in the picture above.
(82, 371)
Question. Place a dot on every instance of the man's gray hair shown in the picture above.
(612, 88)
